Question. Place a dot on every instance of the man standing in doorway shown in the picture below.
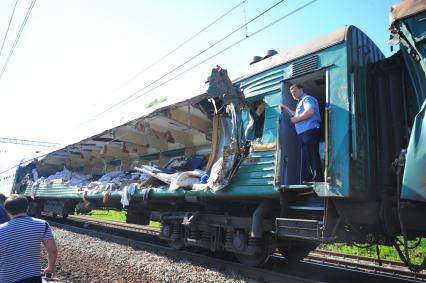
(3, 215)
(20, 240)
(306, 120)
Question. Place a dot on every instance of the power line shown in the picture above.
(28, 142)
(184, 63)
(225, 49)
(17, 38)
(8, 26)
(182, 44)
(23, 161)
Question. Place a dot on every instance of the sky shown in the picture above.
(77, 61)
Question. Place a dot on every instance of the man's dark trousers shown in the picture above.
(311, 162)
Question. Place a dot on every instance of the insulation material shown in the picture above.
(186, 179)
(126, 194)
(164, 177)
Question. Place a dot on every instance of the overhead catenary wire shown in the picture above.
(17, 38)
(8, 27)
(23, 161)
(221, 51)
(28, 142)
(184, 63)
(182, 44)
(203, 61)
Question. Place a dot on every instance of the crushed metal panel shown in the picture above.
(221, 90)
(414, 180)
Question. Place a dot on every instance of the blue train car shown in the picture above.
(222, 170)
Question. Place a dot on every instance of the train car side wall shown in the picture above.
(326, 72)
(361, 52)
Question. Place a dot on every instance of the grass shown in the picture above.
(387, 253)
(115, 215)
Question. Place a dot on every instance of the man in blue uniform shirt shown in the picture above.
(20, 240)
(306, 120)
(3, 215)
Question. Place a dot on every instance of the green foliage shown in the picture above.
(388, 253)
(156, 101)
(115, 215)
(154, 223)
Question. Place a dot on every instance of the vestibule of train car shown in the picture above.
(313, 84)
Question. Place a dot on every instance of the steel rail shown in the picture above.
(332, 259)
(114, 224)
(255, 273)
(369, 264)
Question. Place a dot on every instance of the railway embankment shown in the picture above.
(84, 258)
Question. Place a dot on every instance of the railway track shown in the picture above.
(387, 267)
(146, 237)
(262, 275)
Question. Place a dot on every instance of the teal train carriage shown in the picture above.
(222, 170)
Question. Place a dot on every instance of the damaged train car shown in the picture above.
(222, 170)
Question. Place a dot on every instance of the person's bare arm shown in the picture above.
(284, 107)
(52, 254)
(305, 115)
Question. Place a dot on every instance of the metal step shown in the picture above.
(299, 228)
(305, 207)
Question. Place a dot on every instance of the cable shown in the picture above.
(17, 38)
(23, 161)
(182, 44)
(8, 26)
(28, 142)
(184, 63)
(223, 50)
(404, 255)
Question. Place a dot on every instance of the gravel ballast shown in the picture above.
(89, 259)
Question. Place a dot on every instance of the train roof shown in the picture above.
(309, 47)
(405, 9)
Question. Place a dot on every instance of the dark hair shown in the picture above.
(16, 204)
(299, 86)
(2, 197)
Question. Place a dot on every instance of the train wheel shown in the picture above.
(176, 244)
(259, 258)
(295, 253)
(54, 215)
(254, 260)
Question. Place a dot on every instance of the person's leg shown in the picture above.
(306, 168)
(319, 176)
(312, 144)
